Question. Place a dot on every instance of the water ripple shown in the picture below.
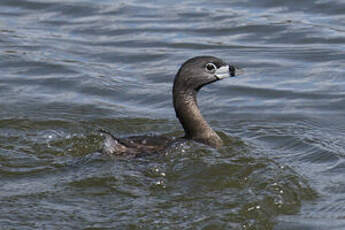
(70, 67)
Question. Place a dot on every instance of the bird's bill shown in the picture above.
(223, 72)
(227, 71)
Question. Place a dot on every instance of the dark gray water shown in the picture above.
(71, 67)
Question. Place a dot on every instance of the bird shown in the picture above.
(193, 74)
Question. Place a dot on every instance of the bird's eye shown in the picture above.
(211, 67)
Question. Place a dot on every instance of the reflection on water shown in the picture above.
(71, 67)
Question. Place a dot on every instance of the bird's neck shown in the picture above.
(194, 125)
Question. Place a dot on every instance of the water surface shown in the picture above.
(71, 67)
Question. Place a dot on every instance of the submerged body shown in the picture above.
(191, 77)
(136, 145)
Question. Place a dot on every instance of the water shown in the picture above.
(71, 67)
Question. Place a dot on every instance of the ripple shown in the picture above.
(69, 67)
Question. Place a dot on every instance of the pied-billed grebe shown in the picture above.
(191, 77)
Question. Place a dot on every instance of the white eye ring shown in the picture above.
(210, 67)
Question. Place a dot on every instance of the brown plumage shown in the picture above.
(191, 77)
